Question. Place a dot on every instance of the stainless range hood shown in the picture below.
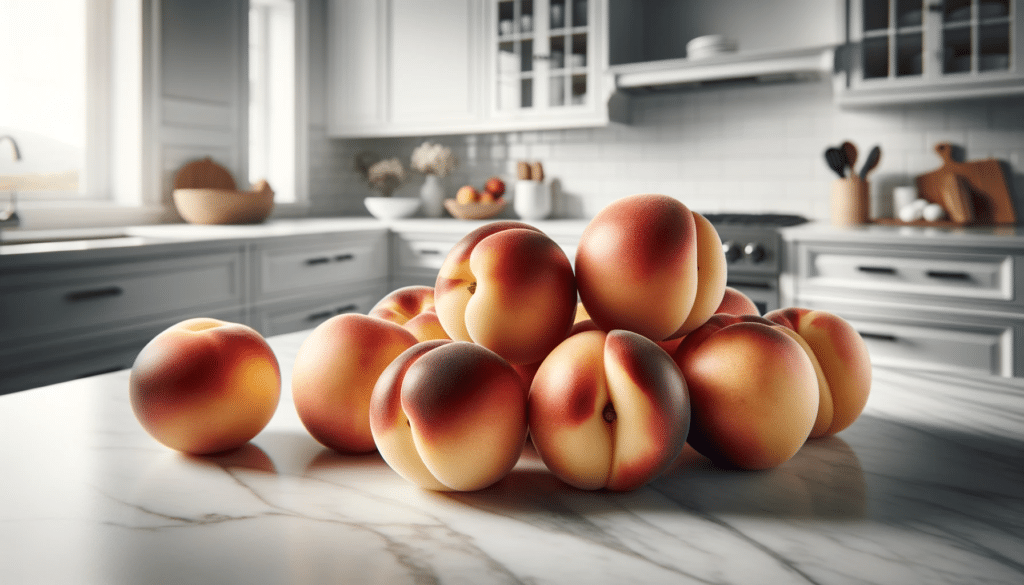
(779, 65)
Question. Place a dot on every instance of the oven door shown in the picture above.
(764, 291)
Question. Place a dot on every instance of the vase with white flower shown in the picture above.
(436, 161)
(385, 176)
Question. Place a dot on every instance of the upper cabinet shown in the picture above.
(914, 50)
(413, 68)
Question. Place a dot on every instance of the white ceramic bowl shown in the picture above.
(392, 207)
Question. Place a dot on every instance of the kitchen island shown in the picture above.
(926, 487)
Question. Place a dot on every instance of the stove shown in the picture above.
(754, 252)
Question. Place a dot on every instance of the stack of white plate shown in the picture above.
(709, 46)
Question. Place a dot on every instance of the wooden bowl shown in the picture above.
(223, 206)
(474, 210)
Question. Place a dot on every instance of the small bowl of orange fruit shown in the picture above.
(473, 203)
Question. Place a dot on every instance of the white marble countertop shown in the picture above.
(890, 234)
(926, 487)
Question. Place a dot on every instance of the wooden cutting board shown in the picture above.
(983, 180)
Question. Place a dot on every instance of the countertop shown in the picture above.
(926, 487)
(893, 234)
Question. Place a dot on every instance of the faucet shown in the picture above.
(9, 217)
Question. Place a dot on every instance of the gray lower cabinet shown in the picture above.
(932, 300)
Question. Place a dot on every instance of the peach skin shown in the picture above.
(734, 302)
(608, 410)
(508, 287)
(753, 389)
(334, 373)
(841, 362)
(204, 386)
(648, 264)
(449, 416)
(412, 307)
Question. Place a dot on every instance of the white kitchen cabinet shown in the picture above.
(416, 258)
(921, 50)
(84, 313)
(924, 301)
(403, 67)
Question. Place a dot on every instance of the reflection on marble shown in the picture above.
(925, 488)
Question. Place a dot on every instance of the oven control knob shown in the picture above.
(754, 252)
(732, 251)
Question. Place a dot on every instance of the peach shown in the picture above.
(734, 302)
(412, 307)
(841, 361)
(204, 385)
(608, 410)
(467, 194)
(648, 264)
(508, 287)
(753, 390)
(449, 415)
(334, 373)
(495, 186)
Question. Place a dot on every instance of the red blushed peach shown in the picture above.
(608, 410)
(841, 362)
(734, 302)
(449, 415)
(753, 389)
(335, 370)
(203, 386)
(412, 307)
(648, 264)
(508, 287)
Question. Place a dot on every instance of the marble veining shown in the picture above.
(926, 487)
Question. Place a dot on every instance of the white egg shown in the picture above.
(933, 212)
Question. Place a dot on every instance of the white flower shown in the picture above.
(386, 175)
(434, 159)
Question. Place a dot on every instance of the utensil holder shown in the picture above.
(532, 200)
(849, 201)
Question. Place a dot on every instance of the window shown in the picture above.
(272, 93)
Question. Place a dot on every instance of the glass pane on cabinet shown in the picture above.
(506, 18)
(956, 50)
(994, 47)
(526, 20)
(557, 52)
(876, 14)
(526, 93)
(558, 14)
(993, 9)
(909, 13)
(557, 90)
(526, 55)
(508, 76)
(956, 11)
(579, 90)
(579, 13)
(579, 51)
(875, 52)
(508, 62)
(908, 54)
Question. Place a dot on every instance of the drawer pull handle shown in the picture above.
(878, 336)
(428, 252)
(344, 257)
(319, 316)
(947, 275)
(877, 269)
(317, 260)
(94, 293)
(348, 308)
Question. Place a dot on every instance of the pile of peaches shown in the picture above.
(609, 365)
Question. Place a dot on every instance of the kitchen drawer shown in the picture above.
(297, 267)
(950, 275)
(422, 253)
(297, 316)
(38, 305)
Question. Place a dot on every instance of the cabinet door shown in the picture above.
(907, 50)
(547, 58)
(357, 66)
(434, 65)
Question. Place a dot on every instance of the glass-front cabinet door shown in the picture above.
(964, 47)
(545, 57)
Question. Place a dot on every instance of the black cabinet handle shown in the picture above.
(877, 269)
(344, 257)
(317, 260)
(947, 275)
(428, 252)
(319, 316)
(347, 308)
(878, 336)
(94, 293)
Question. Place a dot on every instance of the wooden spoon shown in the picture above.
(873, 157)
(851, 156)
